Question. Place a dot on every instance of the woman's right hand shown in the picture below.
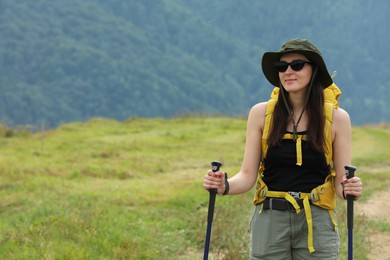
(214, 180)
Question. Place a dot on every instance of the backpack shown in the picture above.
(324, 195)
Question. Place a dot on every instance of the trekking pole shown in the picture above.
(210, 214)
(350, 172)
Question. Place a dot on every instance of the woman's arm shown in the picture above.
(244, 180)
(342, 139)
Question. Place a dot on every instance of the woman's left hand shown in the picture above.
(353, 186)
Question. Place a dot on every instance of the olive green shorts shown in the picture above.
(283, 235)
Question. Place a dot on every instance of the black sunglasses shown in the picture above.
(296, 65)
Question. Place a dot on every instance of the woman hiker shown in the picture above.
(297, 145)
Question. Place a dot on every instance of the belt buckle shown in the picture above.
(296, 195)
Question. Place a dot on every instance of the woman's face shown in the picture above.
(295, 81)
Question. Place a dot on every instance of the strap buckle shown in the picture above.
(296, 195)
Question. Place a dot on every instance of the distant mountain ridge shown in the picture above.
(63, 61)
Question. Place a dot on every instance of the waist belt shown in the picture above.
(280, 204)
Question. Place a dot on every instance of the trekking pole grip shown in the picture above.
(215, 166)
(350, 172)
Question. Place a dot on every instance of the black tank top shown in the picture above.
(282, 174)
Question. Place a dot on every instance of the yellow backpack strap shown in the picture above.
(309, 220)
(298, 145)
(268, 121)
(262, 188)
(331, 95)
(328, 132)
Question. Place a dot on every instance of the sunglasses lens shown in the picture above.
(281, 66)
(297, 65)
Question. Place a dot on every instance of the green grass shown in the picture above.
(104, 189)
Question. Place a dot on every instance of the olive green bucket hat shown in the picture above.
(301, 46)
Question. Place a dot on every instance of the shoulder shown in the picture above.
(259, 108)
(341, 122)
(341, 117)
(257, 115)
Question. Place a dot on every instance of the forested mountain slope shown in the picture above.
(70, 60)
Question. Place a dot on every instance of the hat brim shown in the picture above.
(272, 75)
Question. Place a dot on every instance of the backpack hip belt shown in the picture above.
(322, 196)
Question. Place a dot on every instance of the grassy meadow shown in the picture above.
(104, 189)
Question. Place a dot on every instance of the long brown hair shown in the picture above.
(316, 120)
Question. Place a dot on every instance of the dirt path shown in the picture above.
(377, 209)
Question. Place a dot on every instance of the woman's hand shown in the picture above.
(353, 186)
(214, 180)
